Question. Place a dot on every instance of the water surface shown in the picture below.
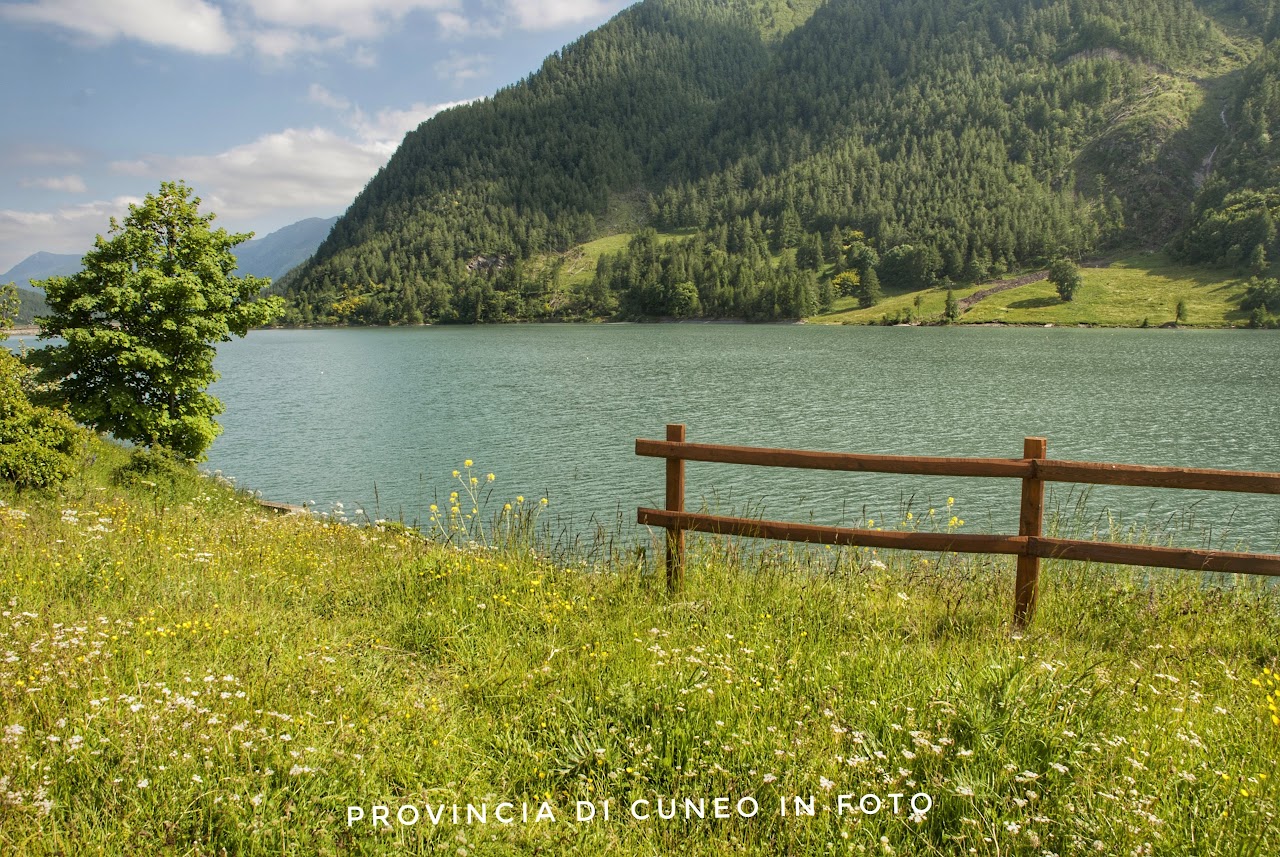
(378, 418)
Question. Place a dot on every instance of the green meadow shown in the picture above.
(182, 672)
(1133, 291)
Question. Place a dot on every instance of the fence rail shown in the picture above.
(1029, 545)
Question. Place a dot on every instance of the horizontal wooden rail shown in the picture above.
(1048, 470)
(1037, 546)
(842, 461)
(1029, 546)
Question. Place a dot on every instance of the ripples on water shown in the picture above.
(554, 410)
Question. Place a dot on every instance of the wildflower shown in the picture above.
(543, 501)
(456, 474)
(144, 783)
(467, 463)
(770, 778)
(825, 783)
(490, 477)
(951, 501)
(519, 498)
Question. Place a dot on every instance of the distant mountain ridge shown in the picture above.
(277, 253)
(931, 140)
(271, 256)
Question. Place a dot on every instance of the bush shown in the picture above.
(1065, 277)
(150, 465)
(38, 446)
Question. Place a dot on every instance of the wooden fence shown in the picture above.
(1029, 545)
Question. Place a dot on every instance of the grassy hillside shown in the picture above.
(1128, 292)
(186, 674)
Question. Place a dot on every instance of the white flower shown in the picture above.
(770, 778)
(826, 784)
(143, 783)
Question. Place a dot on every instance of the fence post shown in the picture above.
(675, 503)
(1030, 525)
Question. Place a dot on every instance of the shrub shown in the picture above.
(151, 465)
(38, 445)
(1065, 277)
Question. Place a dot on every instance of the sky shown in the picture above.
(272, 110)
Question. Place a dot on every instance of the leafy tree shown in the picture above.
(140, 322)
(1065, 277)
(847, 283)
(951, 312)
(1180, 312)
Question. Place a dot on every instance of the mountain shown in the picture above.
(40, 266)
(270, 256)
(275, 254)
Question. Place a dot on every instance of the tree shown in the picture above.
(1065, 277)
(140, 322)
(847, 283)
(951, 311)
(869, 293)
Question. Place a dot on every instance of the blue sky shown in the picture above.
(273, 110)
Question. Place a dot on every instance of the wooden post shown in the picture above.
(675, 503)
(1030, 525)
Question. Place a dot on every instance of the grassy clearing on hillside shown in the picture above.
(1129, 291)
(181, 673)
(1126, 293)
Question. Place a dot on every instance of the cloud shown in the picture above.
(276, 178)
(43, 156)
(552, 14)
(317, 94)
(304, 169)
(66, 184)
(461, 68)
(65, 230)
(187, 25)
(355, 19)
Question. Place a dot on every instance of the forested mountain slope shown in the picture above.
(775, 145)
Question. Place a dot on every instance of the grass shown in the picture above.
(1128, 292)
(182, 673)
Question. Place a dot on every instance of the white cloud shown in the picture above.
(461, 68)
(187, 25)
(66, 184)
(357, 19)
(458, 26)
(317, 94)
(278, 43)
(295, 173)
(303, 169)
(44, 156)
(550, 14)
(65, 230)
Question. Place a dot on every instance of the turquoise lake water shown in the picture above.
(377, 419)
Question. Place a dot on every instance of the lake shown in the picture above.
(377, 419)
